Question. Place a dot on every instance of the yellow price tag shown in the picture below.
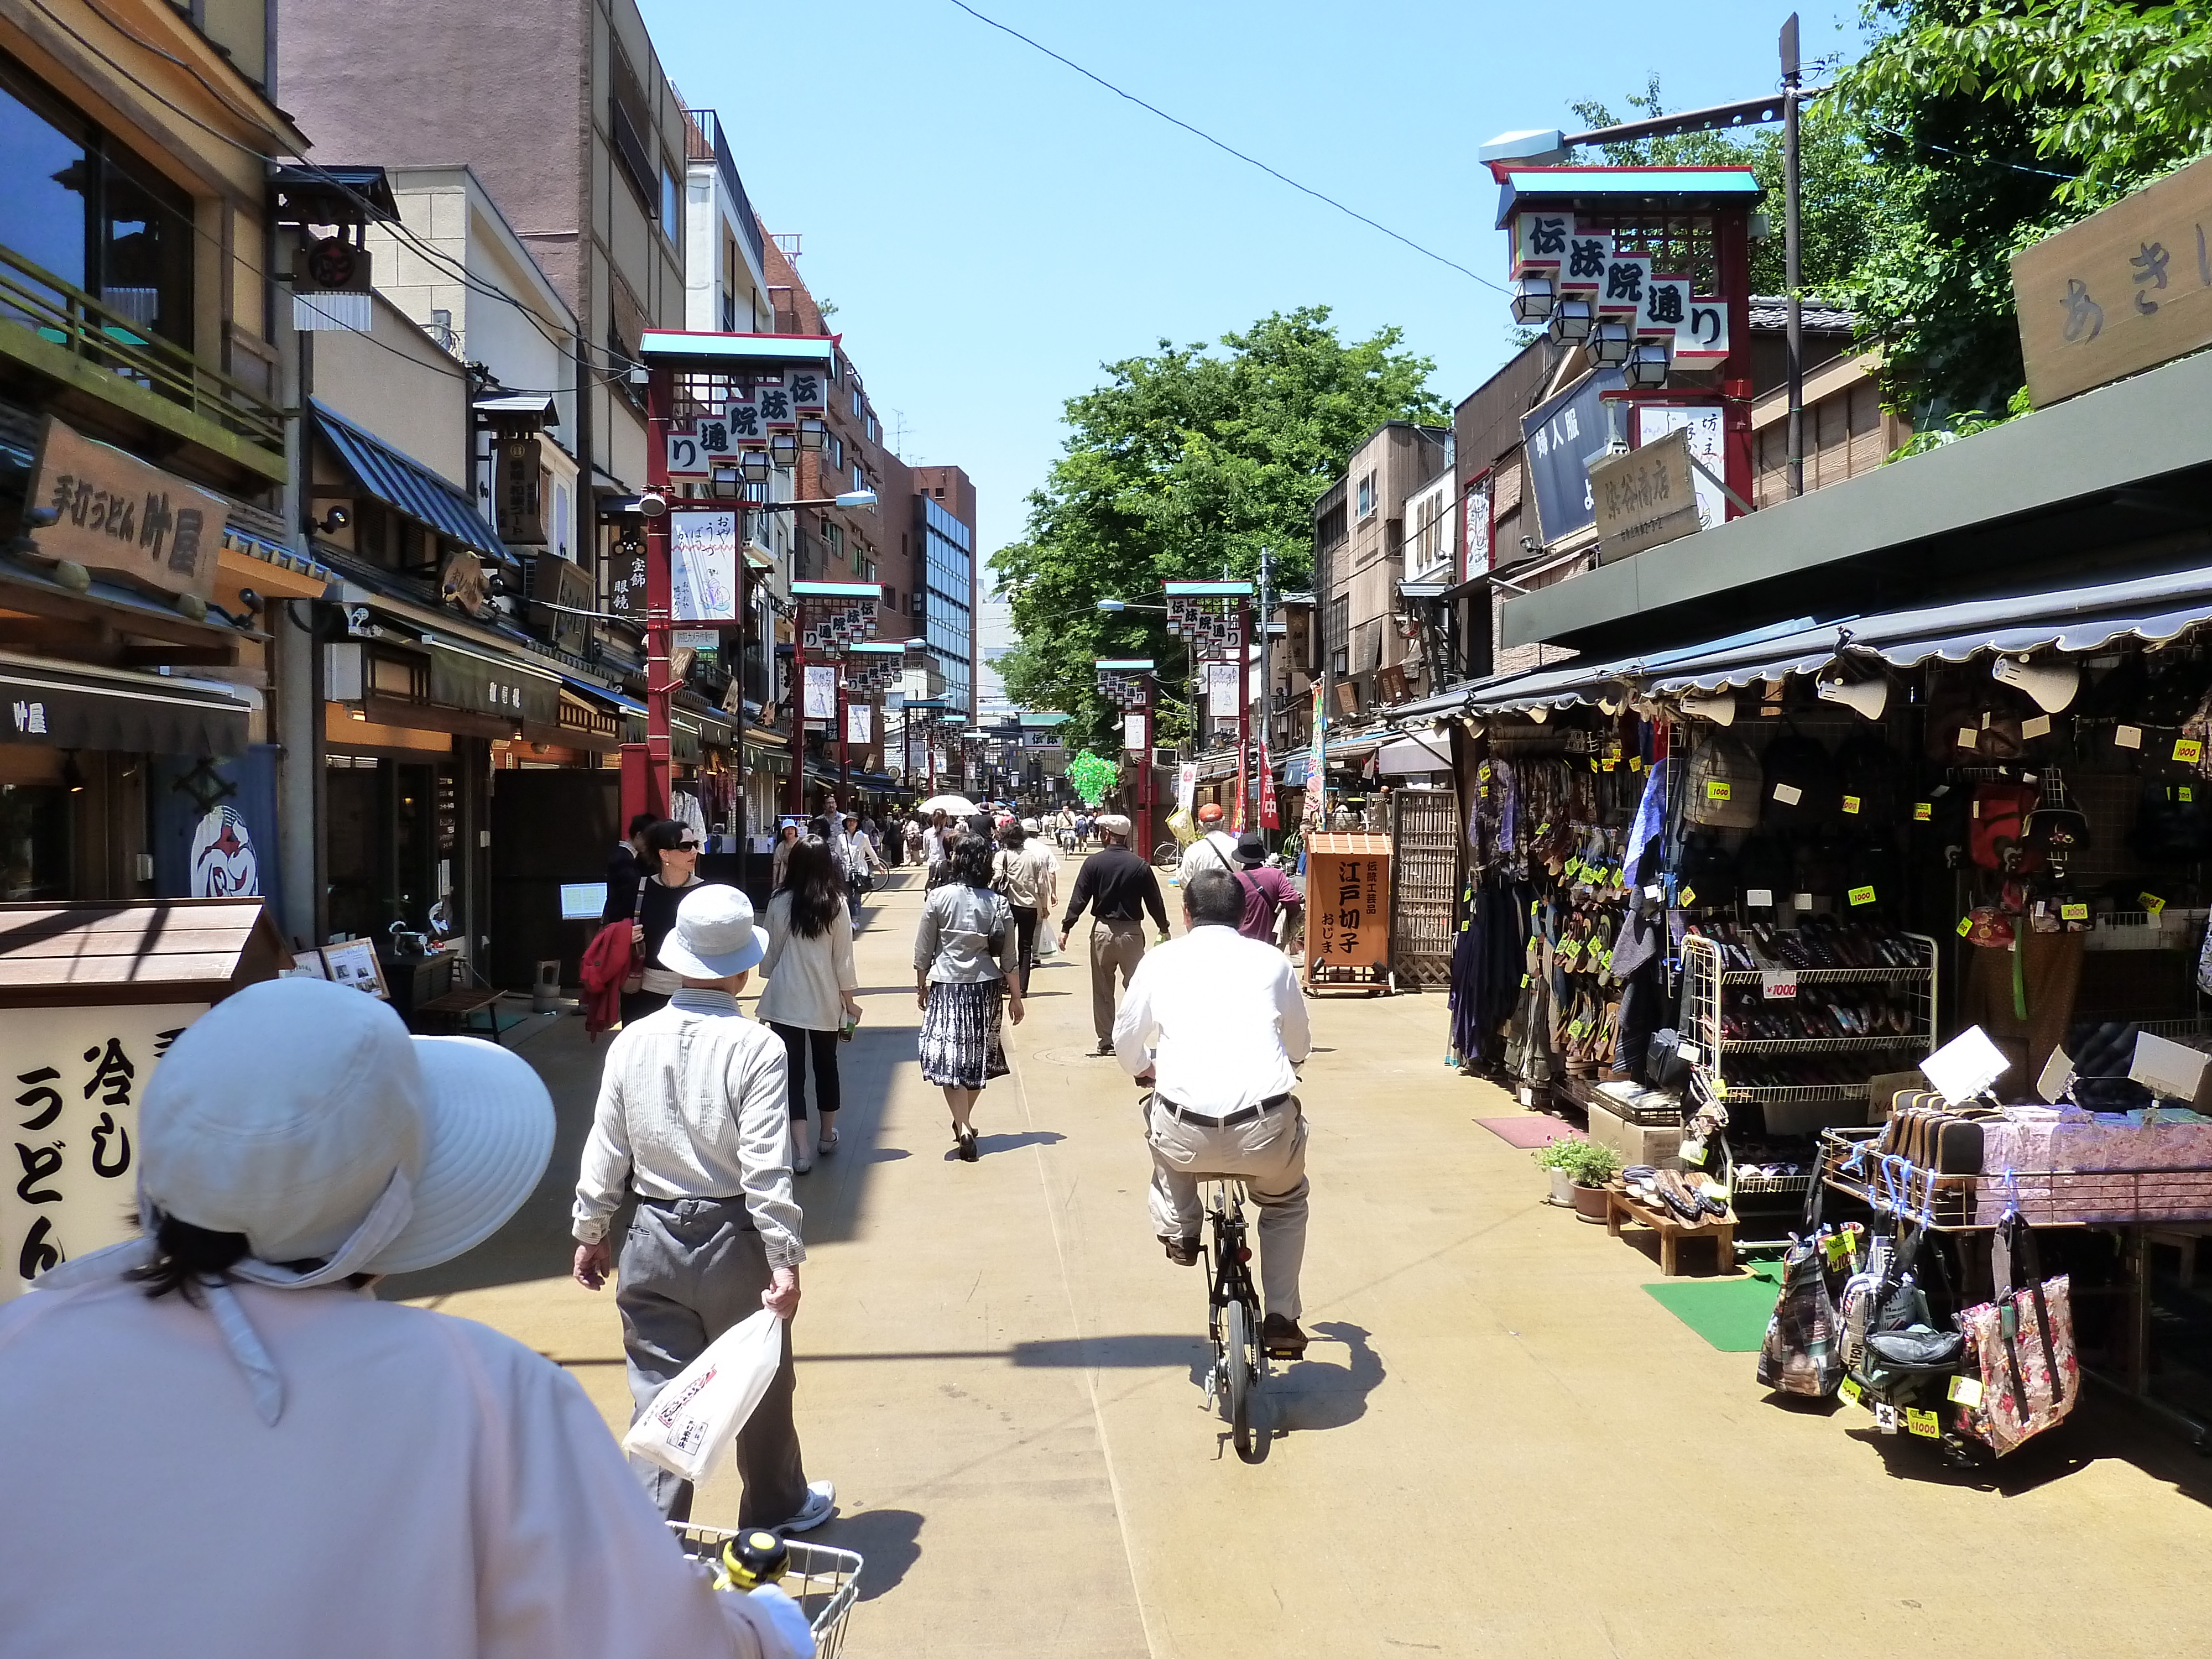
(1851, 1391)
(1965, 926)
(1608, 763)
(2073, 912)
(1545, 828)
(1636, 763)
(1965, 1391)
(2151, 903)
(1716, 789)
(1922, 1423)
(1850, 804)
(1923, 811)
(1861, 896)
(2191, 749)
(2185, 793)
(1687, 897)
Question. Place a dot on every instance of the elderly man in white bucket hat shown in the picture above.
(693, 1117)
(289, 1467)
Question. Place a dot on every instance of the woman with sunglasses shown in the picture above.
(672, 852)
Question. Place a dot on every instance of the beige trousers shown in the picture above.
(1269, 1152)
(1115, 946)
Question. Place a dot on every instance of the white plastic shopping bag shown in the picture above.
(1047, 938)
(693, 1422)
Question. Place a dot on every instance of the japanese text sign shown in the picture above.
(1347, 900)
(821, 691)
(703, 566)
(1562, 437)
(1646, 496)
(74, 1079)
(1475, 543)
(2125, 289)
(117, 516)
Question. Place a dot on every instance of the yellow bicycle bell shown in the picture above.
(752, 1558)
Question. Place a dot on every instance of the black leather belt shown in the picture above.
(1244, 1115)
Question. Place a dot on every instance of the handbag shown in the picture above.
(2020, 1347)
(1799, 1354)
(633, 980)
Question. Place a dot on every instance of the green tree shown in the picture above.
(1844, 211)
(1995, 122)
(1181, 467)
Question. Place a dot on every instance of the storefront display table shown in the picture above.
(456, 1009)
(1672, 1230)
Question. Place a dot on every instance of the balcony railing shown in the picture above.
(107, 339)
(704, 142)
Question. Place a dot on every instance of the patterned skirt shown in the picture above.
(960, 1047)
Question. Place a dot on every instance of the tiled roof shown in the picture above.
(1771, 312)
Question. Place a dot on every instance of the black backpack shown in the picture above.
(1800, 783)
(2170, 829)
(1762, 865)
(1869, 775)
(1707, 870)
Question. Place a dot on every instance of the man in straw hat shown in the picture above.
(289, 1453)
(1119, 887)
(694, 1116)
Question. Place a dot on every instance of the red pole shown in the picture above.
(1243, 713)
(659, 686)
(798, 710)
(844, 759)
(1733, 232)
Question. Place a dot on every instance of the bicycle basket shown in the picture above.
(824, 1580)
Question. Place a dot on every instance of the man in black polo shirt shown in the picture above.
(1119, 887)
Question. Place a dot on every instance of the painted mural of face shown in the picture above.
(224, 863)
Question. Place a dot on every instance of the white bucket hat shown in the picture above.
(302, 1115)
(714, 937)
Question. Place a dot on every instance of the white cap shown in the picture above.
(714, 937)
(1111, 823)
(285, 1111)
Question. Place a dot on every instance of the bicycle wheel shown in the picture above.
(1237, 1338)
(1166, 855)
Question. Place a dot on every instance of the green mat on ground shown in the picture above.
(1731, 1313)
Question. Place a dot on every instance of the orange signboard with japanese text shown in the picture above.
(1347, 909)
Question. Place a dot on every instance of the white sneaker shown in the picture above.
(821, 1502)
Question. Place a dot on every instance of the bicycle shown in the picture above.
(824, 1580)
(1167, 855)
(1232, 1320)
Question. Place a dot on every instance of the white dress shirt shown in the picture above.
(807, 977)
(1214, 851)
(434, 1489)
(692, 1104)
(1225, 1016)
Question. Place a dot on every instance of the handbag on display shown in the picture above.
(1723, 783)
(2019, 1347)
(1867, 779)
(1800, 783)
(1799, 1354)
(1997, 836)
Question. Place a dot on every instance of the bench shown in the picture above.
(457, 1008)
(1671, 1229)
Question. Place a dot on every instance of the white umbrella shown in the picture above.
(953, 806)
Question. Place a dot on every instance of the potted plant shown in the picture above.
(1591, 1170)
(1558, 1159)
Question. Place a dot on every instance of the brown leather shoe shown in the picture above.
(1282, 1338)
(1183, 1252)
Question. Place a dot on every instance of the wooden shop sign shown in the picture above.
(1644, 497)
(120, 517)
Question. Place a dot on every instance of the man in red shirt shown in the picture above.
(1268, 890)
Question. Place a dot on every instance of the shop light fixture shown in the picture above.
(754, 462)
(1649, 365)
(812, 434)
(722, 482)
(1571, 320)
(2052, 684)
(1611, 341)
(1866, 698)
(1533, 299)
(1719, 708)
(783, 447)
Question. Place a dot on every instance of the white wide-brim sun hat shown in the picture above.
(714, 937)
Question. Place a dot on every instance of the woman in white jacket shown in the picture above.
(810, 982)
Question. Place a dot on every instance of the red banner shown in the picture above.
(1271, 816)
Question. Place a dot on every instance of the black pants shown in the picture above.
(637, 1004)
(1025, 922)
(796, 1040)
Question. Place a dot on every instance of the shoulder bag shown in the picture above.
(2020, 1347)
(1799, 1355)
(633, 980)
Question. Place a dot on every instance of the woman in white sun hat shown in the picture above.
(237, 1452)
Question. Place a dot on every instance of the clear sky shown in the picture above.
(993, 228)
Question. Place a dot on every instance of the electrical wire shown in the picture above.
(1252, 161)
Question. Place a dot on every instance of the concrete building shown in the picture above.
(725, 249)
(1359, 559)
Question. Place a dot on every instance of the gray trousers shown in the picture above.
(689, 1270)
(1268, 1153)
(1116, 947)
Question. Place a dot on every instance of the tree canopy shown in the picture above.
(1181, 467)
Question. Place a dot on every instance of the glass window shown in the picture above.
(45, 186)
(145, 250)
(34, 842)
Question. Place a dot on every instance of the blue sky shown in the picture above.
(993, 228)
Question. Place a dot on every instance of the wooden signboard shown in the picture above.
(2125, 289)
(118, 517)
(1347, 911)
(1645, 497)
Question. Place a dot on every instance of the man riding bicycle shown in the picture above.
(1215, 1023)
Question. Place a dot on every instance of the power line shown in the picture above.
(1231, 150)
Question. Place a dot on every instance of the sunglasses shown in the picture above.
(686, 847)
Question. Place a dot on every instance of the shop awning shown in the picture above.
(405, 485)
(484, 682)
(1429, 751)
(2147, 610)
(41, 702)
(607, 695)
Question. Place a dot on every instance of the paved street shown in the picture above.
(1500, 1444)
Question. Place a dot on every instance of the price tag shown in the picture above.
(1965, 926)
(1692, 1054)
(1851, 1391)
(1861, 896)
(1655, 891)
(2077, 911)
(2151, 903)
(1851, 804)
(1544, 827)
(1778, 987)
(2127, 737)
(1969, 737)
(1923, 811)
(1693, 1153)
(1789, 794)
(1577, 1028)
(1483, 771)
(1837, 1246)
(1524, 981)
(1636, 763)
(2185, 793)
(1922, 1423)
(1885, 1417)
(1716, 789)
(1608, 763)
(2188, 750)
(1687, 897)
(1759, 898)
(1604, 961)
(1965, 1391)
(1802, 901)
(2035, 726)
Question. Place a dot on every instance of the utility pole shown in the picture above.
(1792, 78)
(1263, 766)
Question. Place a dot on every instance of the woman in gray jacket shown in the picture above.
(964, 957)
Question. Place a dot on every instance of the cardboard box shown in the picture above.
(1637, 1143)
